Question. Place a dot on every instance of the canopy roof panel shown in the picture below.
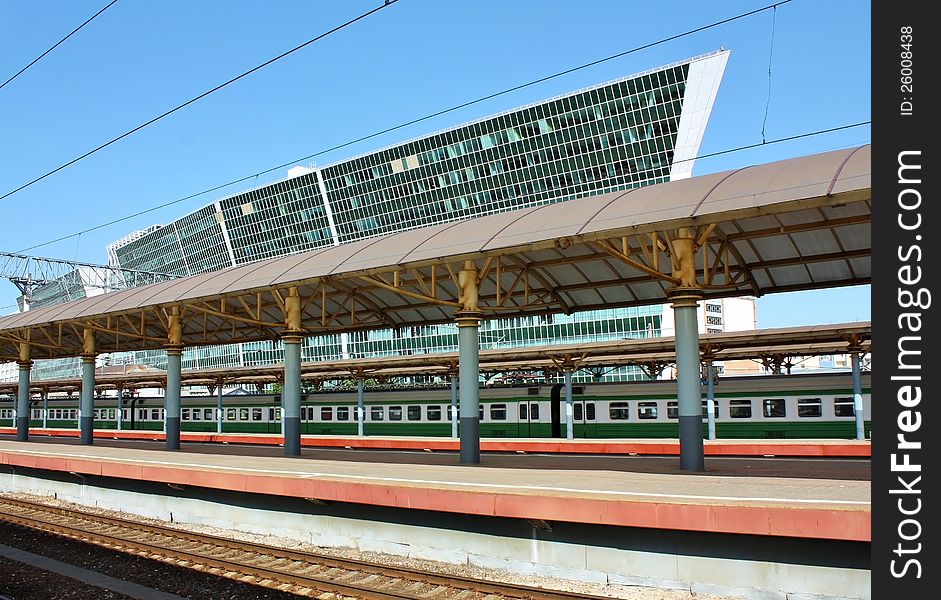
(789, 225)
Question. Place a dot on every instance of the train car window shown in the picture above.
(256, 414)
(414, 413)
(673, 410)
(498, 412)
(277, 414)
(208, 414)
(524, 412)
(154, 414)
(843, 407)
(376, 413)
(185, 414)
(450, 415)
(433, 413)
(589, 411)
(809, 407)
(230, 414)
(395, 413)
(36, 414)
(774, 407)
(646, 410)
(619, 411)
(480, 412)
(271, 418)
(705, 408)
(740, 409)
(343, 413)
(243, 414)
(578, 416)
(326, 413)
(533, 412)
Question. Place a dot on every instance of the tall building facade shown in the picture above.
(638, 130)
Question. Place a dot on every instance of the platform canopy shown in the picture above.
(795, 224)
(774, 344)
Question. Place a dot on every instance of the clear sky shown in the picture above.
(416, 57)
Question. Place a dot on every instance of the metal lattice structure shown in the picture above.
(48, 281)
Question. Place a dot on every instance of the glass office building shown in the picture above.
(638, 130)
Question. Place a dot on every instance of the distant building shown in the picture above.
(634, 131)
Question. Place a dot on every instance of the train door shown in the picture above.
(528, 413)
(584, 418)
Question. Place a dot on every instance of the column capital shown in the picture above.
(24, 364)
(174, 349)
(292, 337)
(468, 318)
(685, 296)
(89, 358)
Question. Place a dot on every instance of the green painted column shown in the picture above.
(22, 401)
(171, 401)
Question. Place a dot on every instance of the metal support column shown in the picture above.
(858, 398)
(22, 396)
(453, 405)
(293, 336)
(469, 388)
(569, 419)
(688, 390)
(86, 407)
(291, 395)
(120, 414)
(710, 399)
(172, 398)
(219, 413)
(45, 408)
(360, 408)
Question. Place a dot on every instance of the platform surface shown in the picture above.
(822, 498)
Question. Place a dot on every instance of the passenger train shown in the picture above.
(784, 406)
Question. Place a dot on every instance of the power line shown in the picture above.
(419, 119)
(711, 154)
(201, 96)
(74, 31)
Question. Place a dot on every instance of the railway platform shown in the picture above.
(668, 447)
(791, 498)
(751, 527)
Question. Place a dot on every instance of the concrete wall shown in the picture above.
(754, 567)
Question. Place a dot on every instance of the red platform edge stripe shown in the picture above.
(756, 448)
(816, 523)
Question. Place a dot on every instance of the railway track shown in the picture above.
(267, 565)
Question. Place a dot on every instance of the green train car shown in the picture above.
(757, 407)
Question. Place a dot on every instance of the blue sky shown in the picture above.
(139, 59)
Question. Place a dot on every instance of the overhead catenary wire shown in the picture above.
(56, 45)
(709, 155)
(386, 4)
(764, 121)
(417, 120)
